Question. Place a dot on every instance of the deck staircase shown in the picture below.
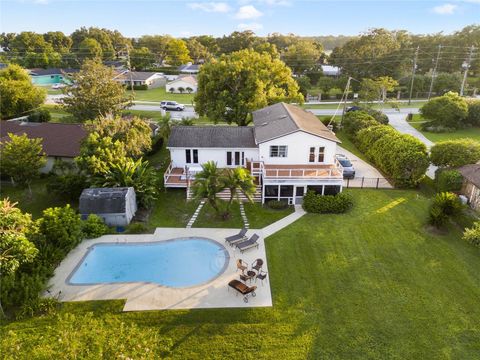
(225, 195)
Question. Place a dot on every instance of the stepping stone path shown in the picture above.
(195, 214)
(246, 225)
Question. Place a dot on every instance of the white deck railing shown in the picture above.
(270, 171)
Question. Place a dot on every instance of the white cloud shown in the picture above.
(250, 26)
(248, 12)
(217, 7)
(445, 9)
(268, 2)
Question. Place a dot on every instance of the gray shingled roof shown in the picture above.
(138, 75)
(471, 172)
(103, 201)
(282, 119)
(212, 137)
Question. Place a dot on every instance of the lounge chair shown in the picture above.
(247, 244)
(243, 289)
(257, 265)
(241, 266)
(237, 237)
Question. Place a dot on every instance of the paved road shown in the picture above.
(404, 111)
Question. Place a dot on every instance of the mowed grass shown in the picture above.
(472, 132)
(172, 209)
(160, 94)
(372, 283)
(259, 215)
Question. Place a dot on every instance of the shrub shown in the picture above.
(354, 121)
(38, 307)
(277, 204)
(327, 204)
(377, 115)
(444, 206)
(455, 153)
(472, 235)
(42, 115)
(328, 121)
(136, 87)
(68, 186)
(136, 228)
(473, 116)
(94, 227)
(448, 180)
(449, 110)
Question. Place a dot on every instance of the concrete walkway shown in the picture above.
(399, 122)
(195, 214)
(282, 223)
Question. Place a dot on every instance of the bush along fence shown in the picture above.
(402, 157)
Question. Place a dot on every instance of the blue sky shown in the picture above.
(185, 18)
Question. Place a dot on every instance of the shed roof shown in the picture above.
(103, 200)
(282, 119)
(212, 137)
(58, 139)
(471, 173)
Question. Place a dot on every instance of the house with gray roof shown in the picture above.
(288, 150)
(116, 206)
(189, 68)
(142, 78)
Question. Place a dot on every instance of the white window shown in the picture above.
(278, 151)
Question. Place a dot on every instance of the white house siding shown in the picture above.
(179, 83)
(298, 152)
(210, 154)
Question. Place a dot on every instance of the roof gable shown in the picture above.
(212, 137)
(282, 119)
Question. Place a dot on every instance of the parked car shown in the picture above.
(348, 169)
(172, 105)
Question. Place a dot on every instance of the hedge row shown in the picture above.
(327, 204)
(402, 157)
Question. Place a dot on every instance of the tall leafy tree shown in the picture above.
(89, 49)
(302, 55)
(134, 133)
(22, 158)
(141, 58)
(18, 94)
(95, 93)
(59, 41)
(15, 246)
(197, 51)
(177, 52)
(237, 84)
(157, 44)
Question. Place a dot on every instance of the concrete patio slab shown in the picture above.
(150, 296)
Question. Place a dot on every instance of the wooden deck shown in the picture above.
(175, 178)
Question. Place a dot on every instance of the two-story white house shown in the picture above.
(288, 150)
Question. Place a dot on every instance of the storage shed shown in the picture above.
(471, 184)
(116, 206)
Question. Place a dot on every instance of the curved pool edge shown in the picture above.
(147, 243)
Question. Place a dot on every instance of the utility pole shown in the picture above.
(129, 67)
(467, 66)
(414, 69)
(434, 73)
(347, 88)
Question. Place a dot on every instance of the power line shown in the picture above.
(434, 73)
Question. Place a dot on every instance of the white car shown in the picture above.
(172, 105)
(58, 86)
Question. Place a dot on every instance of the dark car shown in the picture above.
(348, 169)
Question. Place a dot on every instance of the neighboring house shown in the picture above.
(116, 206)
(60, 141)
(151, 79)
(185, 82)
(51, 76)
(330, 70)
(471, 184)
(116, 64)
(288, 150)
(189, 68)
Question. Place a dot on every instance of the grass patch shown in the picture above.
(160, 94)
(33, 204)
(371, 283)
(208, 217)
(259, 215)
(172, 209)
(472, 132)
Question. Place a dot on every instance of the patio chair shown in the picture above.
(248, 244)
(262, 275)
(257, 265)
(241, 265)
(237, 237)
(243, 289)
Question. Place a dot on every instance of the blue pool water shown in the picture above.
(176, 263)
(49, 80)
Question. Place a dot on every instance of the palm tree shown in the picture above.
(208, 183)
(165, 126)
(239, 179)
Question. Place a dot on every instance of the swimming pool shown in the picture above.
(49, 80)
(177, 263)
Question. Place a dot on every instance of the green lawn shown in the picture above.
(473, 132)
(208, 218)
(172, 209)
(39, 200)
(160, 94)
(260, 216)
(373, 283)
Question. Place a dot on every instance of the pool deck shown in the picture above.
(148, 296)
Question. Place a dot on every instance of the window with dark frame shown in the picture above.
(321, 154)
(195, 156)
(311, 157)
(229, 158)
(278, 151)
(188, 156)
